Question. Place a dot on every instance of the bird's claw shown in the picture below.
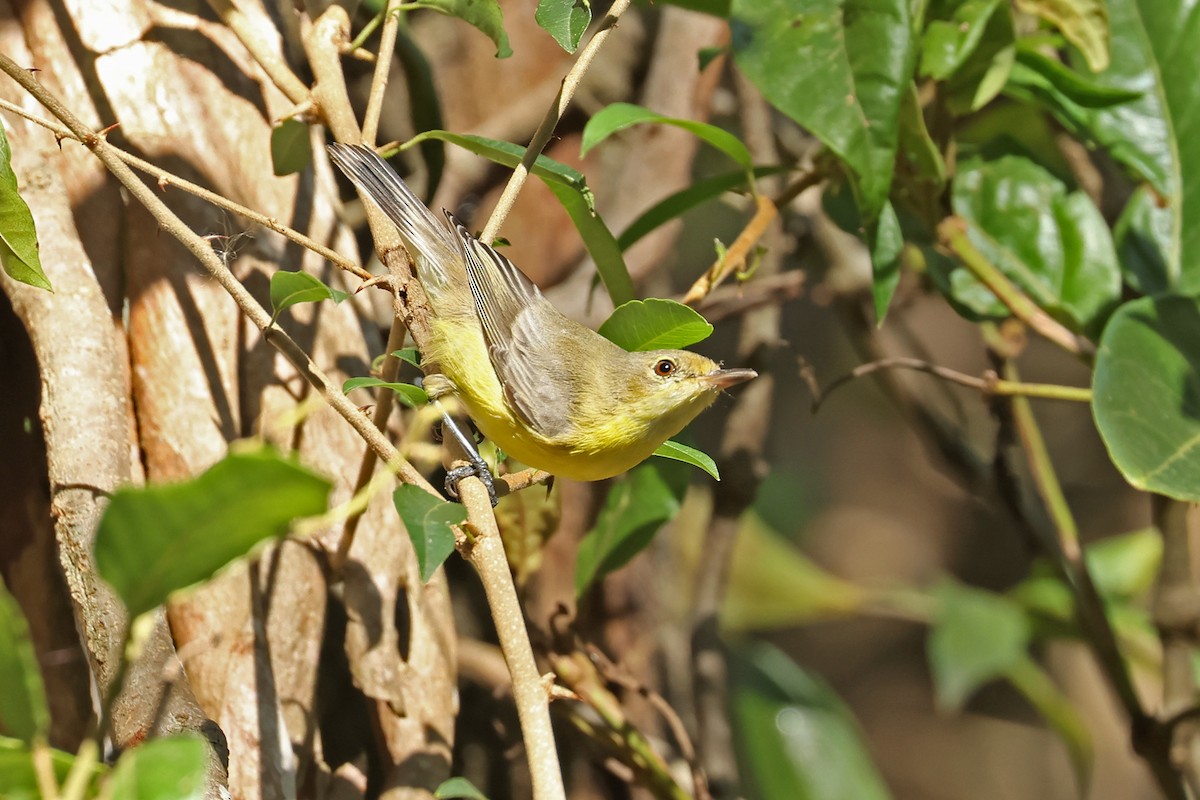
(477, 468)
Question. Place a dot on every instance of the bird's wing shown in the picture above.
(436, 247)
(521, 328)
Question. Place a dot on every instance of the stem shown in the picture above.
(486, 554)
(203, 252)
(261, 40)
(953, 234)
(383, 63)
(542, 135)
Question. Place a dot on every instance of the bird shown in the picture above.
(547, 390)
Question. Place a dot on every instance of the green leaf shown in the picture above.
(23, 711)
(646, 499)
(1052, 243)
(655, 324)
(458, 787)
(916, 144)
(18, 778)
(684, 200)
(886, 243)
(688, 455)
(948, 43)
(565, 20)
(795, 736)
(986, 69)
(406, 393)
(976, 637)
(837, 67)
(483, 14)
(1125, 566)
(424, 105)
(291, 151)
(290, 288)
(18, 237)
(155, 540)
(619, 116)
(1142, 237)
(427, 520)
(1083, 22)
(571, 189)
(409, 355)
(1146, 394)
(1055, 83)
(170, 768)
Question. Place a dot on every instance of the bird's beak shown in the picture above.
(724, 378)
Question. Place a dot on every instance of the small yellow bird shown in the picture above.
(547, 390)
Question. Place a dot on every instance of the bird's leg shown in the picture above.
(477, 466)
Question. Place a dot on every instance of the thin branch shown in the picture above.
(733, 260)
(166, 179)
(383, 63)
(261, 40)
(546, 129)
(952, 232)
(990, 384)
(203, 253)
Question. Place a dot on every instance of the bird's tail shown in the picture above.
(435, 248)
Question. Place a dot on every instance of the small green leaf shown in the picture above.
(155, 540)
(408, 355)
(291, 150)
(458, 787)
(887, 245)
(565, 20)
(170, 768)
(796, 738)
(23, 711)
(406, 393)
(18, 237)
(1146, 394)
(948, 43)
(428, 520)
(290, 288)
(636, 508)
(1084, 23)
(978, 636)
(688, 455)
(1058, 83)
(483, 14)
(1142, 237)
(655, 324)
(1125, 566)
(619, 116)
(916, 143)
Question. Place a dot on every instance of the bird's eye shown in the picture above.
(664, 368)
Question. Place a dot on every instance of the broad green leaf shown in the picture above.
(570, 187)
(406, 393)
(427, 520)
(684, 200)
(619, 116)
(1084, 23)
(170, 768)
(1125, 566)
(977, 636)
(18, 780)
(796, 739)
(409, 355)
(948, 43)
(636, 507)
(1146, 390)
(291, 151)
(158, 539)
(23, 711)
(565, 20)
(424, 105)
(837, 67)
(18, 238)
(1142, 237)
(1052, 243)
(655, 324)
(688, 455)
(483, 14)
(458, 787)
(290, 288)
